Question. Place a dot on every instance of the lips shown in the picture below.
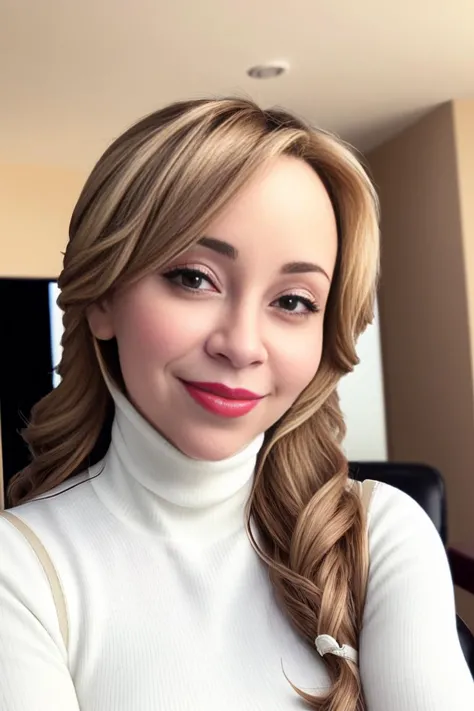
(221, 400)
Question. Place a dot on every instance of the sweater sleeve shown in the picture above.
(34, 674)
(410, 655)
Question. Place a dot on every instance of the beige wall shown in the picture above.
(36, 203)
(425, 318)
(464, 133)
(463, 112)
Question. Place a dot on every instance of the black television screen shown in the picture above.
(30, 328)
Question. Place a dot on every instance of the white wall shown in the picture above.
(362, 401)
(56, 325)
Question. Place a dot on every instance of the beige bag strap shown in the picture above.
(367, 490)
(49, 569)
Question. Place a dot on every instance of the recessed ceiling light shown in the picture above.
(268, 70)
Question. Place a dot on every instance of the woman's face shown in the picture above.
(243, 309)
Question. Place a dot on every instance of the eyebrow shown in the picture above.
(228, 250)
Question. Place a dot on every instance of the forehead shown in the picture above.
(283, 213)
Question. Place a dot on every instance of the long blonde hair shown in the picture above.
(148, 199)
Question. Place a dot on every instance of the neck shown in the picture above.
(151, 485)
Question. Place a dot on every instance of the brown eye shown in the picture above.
(192, 279)
(293, 303)
(290, 303)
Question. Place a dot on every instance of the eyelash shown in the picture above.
(311, 306)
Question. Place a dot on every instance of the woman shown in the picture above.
(222, 262)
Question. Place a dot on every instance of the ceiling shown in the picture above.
(75, 73)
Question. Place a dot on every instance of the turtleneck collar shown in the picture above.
(150, 484)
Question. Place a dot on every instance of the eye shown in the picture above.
(297, 305)
(191, 279)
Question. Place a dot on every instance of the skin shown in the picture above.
(236, 323)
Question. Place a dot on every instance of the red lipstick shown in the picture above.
(222, 400)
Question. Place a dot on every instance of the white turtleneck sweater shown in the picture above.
(170, 609)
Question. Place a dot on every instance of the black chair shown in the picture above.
(425, 485)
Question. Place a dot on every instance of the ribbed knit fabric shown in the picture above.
(170, 609)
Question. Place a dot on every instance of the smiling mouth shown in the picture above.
(221, 400)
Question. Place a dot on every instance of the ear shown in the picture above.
(99, 317)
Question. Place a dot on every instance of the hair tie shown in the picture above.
(325, 644)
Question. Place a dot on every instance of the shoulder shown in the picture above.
(56, 519)
(26, 598)
(404, 545)
(410, 656)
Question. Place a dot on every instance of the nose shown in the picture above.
(238, 339)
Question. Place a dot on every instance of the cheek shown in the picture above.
(298, 362)
(151, 337)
